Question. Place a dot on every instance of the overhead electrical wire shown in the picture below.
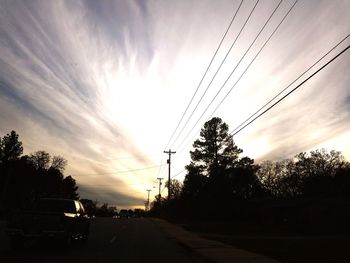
(205, 73)
(125, 171)
(161, 168)
(163, 189)
(106, 185)
(283, 90)
(230, 75)
(215, 74)
(112, 184)
(240, 77)
(200, 83)
(178, 173)
(115, 159)
(297, 87)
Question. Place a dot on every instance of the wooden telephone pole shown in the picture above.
(169, 178)
(160, 184)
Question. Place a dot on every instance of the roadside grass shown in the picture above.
(278, 243)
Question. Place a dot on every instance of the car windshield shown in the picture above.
(64, 206)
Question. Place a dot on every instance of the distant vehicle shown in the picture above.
(50, 218)
(139, 212)
(124, 213)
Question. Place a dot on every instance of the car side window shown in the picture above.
(77, 206)
(82, 210)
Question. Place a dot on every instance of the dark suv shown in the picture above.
(61, 219)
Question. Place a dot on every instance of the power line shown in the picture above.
(113, 159)
(256, 112)
(169, 177)
(172, 178)
(218, 69)
(124, 171)
(257, 54)
(108, 190)
(110, 184)
(240, 77)
(160, 166)
(205, 73)
(303, 82)
(163, 189)
(177, 174)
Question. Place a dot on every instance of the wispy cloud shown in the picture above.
(53, 55)
(96, 80)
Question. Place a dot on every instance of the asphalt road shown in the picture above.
(111, 240)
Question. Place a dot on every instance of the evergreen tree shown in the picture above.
(217, 175)
(10, 147)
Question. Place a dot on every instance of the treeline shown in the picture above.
(222, 184)
(318, 174)
(25, 178)
(105, 210)
(93, 209)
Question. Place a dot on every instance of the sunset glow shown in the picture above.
(104, 83)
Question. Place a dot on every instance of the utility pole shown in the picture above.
(160, 184)
(169, 178)
(148, 190)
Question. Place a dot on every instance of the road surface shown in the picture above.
(111, 240)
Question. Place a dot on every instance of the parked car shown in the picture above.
(50, 218)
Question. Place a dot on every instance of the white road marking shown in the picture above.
(113, 239)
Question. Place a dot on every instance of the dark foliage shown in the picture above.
(317, 174)
(10, 147)
(217, 176)
(309, 192)
(23, 179)
(90, 206)
(106, 211)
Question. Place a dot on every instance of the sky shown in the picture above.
(105, 83)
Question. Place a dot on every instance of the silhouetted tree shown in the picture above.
(213, 154)
(90, 206)
(40, 159)
(23, 179)
(217, 174)
(215, 149)
(342, 183)
(17, 183)
(194, 182)
(318, 171)
(270, 175)
(313, 174)
(10, 151)
(243, 179)
(10, 147)
(221, 184)
(176, 188)
(51, 181)
(69, 188)
(105, 210)
(58, 163)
